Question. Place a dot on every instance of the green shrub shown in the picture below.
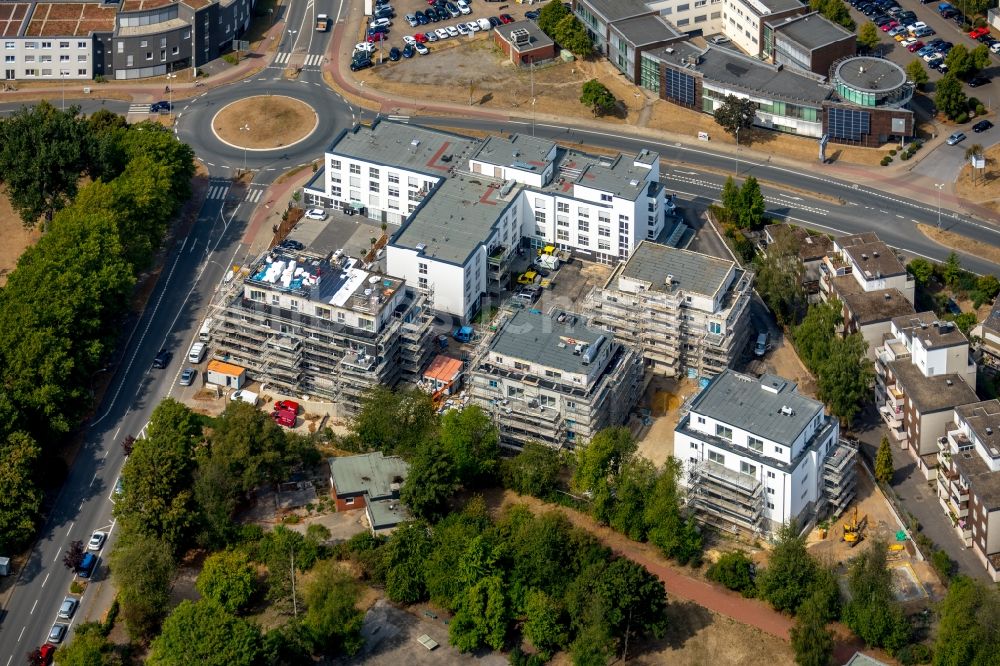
(892, 152)
(76, 587)
(734, 570)
(904, 156)
(980, 110)
(231, 58)
(962, 118)
(915, 653)
(885, 161)
(943, 564)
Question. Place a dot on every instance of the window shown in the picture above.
(771, 475)
(356, 169)
(539, 202)
(562, 235)
(770, 490)
(373, 172)
(583, 226)
(29, 58)
(422, 268)
(149, 55)
(81, 45)
(335, 164)
(606, 197)
(81, 58)
(583, 212)
(756, 444)
(349, 501)
(717, 457)
(175, 50)
(422, 283)
(143, 44)
(32, 45)
(9, 45)
(562, 207)
(770, 505)
(683, 8)
(8, 58)
(715, 328)
(603, 244)
(680, 23)
(701, 420)
(747, 468)
(46, 45)
(81, 72)
(539, 217)
(373, 186)
(604, 232)
(779, 450)
(64, 45)
(393, 191)
(29, 72)
(723, 432)
(64, 58)
(694, 445)
(583, 240)
(394, 178)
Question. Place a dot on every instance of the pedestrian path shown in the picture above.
(217, 189)
(139, 108)
(254, 192)
(311, 59)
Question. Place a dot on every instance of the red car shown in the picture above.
(886, 27)
(915, 46)
(46, 652)
(976, 33)
(420, 37)
(506, 18)
(290, 405)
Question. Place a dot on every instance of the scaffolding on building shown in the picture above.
(727, 499)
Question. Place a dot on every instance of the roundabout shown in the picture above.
(264, 122)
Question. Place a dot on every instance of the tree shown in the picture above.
(959, 62)
(228, 578)
(967, 632)
(20, 498)
(89, 647)
(597, 96)
(734, 570)
(749, 211)
(430, 482)
(677, 537)
(202, 632)
(442, 567)
(633, 487)
(814, 336)
(533, 471)
(980, 57)
(736, 114)
(917, 73)
(544, 624)
(598, 465)
(403, 562)
(549, 17)
(883, 462)
(594, 644)
(845, 376)
(872, 611)
(988, 285)
(730, 197)
(332, 622)
(791, 571)
(835, 11)
(128, 443)
(394, 422)
(279, 550)
(921, 269)
(812, 642)
(951, 270)
(251, 445)
(868, 37)
(779, 276)
(572, 35)
(73, 557)
(482, 618)
(143, 570)
(43, 152)
(473, 444)
(949, 98)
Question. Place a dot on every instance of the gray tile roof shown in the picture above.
(541, 340)
(692, 271)
(758, 405)
(370, 473)
(643, 30)
(410, 147)
(810, 30)
(616, 10)
(454, 220)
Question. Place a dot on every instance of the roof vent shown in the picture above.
(421, 247)
(787, 411)
(989, 431)
(888, 297)
(669, 50)
(948, 382)
(415, 142)
(577, 350)
(864, 257)
(875, 254)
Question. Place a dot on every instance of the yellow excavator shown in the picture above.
(854, 529)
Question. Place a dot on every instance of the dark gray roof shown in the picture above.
(931, 394)
(737, 71)
(984, 420)
(505, 150)
(455, 219)
(370, 473)
(869, 73)
(616, 10)
(540, 339)
(769, 407)
(874, 259)
(983, 481)
(692, 271)
(774, 6)
(406, 146)
(992, 321)
(931, 331)
(643, 30)
(811, 30)
(620, 177)
(536, 38)
(871, 307)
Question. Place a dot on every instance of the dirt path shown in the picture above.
(683, 586)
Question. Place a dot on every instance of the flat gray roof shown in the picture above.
(692, 271)
(984, 420)
(541, 339)
(870, 74)
(536, 38)
(873, 258)
(370, 473)
(455, 218)
(616, 10)
(506, 150)
(620, 177)
(933, 332)
(780, 5)
(419, 149)
(931, 394)
(387, 513)
(756, 405)
(811, 30)
(643, 30)
(741, 72)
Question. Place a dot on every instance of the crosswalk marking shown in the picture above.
(217, 191)
(139, 108)
(281, 58)
(311, 59)
(254, 194)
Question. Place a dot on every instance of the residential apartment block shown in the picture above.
(988, 334)
(687, 312)
(744, 20)
(923, 371)
(554, 380)
(122, 39)
(758, 454)
(968, 482)
(319, 323)
(466, 206)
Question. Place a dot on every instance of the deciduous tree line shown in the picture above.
(61, 309)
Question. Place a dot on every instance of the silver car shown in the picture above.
(57, 633)
(68, 607)
(957, 137)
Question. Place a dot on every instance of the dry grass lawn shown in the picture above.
(962, 243)
(985, 190)
(15, 237)
(274, 121)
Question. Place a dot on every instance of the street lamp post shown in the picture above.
(245, 128)
(170, 93)
(62, 84)
(939, 186)
(738, 151)
(291, 40)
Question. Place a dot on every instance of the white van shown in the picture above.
(197, 352)
(205, 335)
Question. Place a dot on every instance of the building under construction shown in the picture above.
(552, 379)
(323, 325)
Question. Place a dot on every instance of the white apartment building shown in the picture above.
(688, 312)
(743, 20)
(49, 58)
(757, 454)
(465, 206)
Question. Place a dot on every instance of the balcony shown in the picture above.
(892, 417)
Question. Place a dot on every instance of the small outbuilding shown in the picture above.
(524, 43)
(444, 374)
(371, 482)
(226, 374)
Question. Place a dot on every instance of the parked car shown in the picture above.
(955, 138)
(452, 31)
(187, 377)
(462, 29)
(394, 54)
(484, 24)
(290, 405)
(47, 653)
(995, 48)
(473, 26)
(420, 38)
(409, 39)
(938, 65)
(944, 47)
(915, 46)
(68, 607)
(411, 19)
(888, 25)
(982, 126)
(898, 33)
(316, 214)
(57, 633)
(97, 540)
(977, 81)
(162, 359)
(924, 32)
(441, 33)
(506, 18)
(495, 21)
(531, 16)
(432, 15)
(380, 23)
(421, 18)
(367, 47)
(975, 33)
(421, 49)
(408, 51)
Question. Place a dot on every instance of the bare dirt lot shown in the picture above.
(273, 121)
(985, 188)
(15, 237)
